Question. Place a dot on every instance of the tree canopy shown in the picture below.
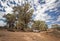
(21, 17)
(39, 25)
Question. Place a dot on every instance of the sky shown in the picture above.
(45, 10)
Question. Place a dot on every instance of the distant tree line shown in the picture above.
(56, 26)
(21, 17)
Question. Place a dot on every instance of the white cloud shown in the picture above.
(50, 1)
(8, 10)
(1, 15)
(55, 22)
(40, 15)
(3, 3)
(58, 19)
(2, 23)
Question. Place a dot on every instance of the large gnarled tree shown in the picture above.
(23, 15)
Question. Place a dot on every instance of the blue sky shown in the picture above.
(45, 10)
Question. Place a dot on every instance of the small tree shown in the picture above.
(39, 25)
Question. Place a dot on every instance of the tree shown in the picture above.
(21, 16)
(24, 15)
(39, 25)
(10, 19)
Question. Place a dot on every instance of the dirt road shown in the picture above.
(26, 36)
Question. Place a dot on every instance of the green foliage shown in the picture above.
(10, 18)
(20, 18)
(24, 15)
(39, 25)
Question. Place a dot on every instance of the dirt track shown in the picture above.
(26, 36)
